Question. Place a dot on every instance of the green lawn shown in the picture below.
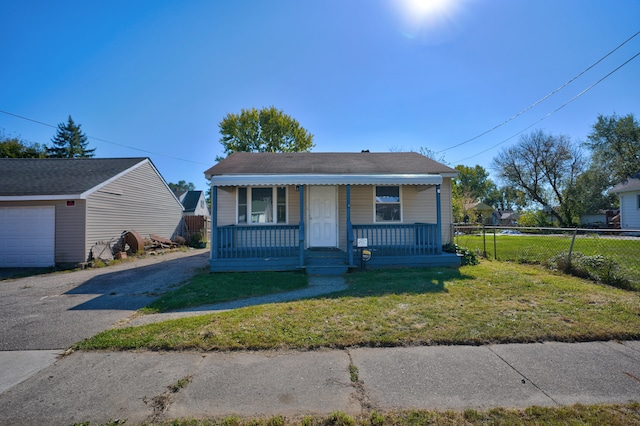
(538, 248)
(494, 302)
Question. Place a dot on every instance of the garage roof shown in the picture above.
(51, 178)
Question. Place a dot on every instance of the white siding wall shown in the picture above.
(139, 201)
(629, 212)
(70, 228)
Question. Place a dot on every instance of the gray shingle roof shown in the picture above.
(365, 163)
(631, 184)
(190, 201)
(58, 176)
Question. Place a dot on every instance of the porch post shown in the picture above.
(214, 222)
(349, 227)
(438, 221)
(301, 225)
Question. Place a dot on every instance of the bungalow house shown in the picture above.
(321, 212)
(53, 211)
(629, 193)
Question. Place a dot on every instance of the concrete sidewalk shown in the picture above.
(99, 386)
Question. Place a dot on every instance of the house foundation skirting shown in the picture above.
(293, 263)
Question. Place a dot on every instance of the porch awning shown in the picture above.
(320, 179)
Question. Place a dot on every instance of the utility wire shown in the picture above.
(555, 110)
(541, 99)
(106, 141)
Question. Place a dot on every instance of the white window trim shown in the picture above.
(375, 203)
(274, 206)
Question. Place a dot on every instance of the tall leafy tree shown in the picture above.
(182, 186)
(506, 198)
(615, 145)
(69, 142)
(264, 130)
(473, 182)
(545, 168)
(13, 147)
(470, 186)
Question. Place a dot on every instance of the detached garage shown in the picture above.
(27, 236)
(52, 211)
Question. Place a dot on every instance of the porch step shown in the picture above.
(325, 262)
(327, 269)
(324, 257)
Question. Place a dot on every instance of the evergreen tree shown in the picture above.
(69, 142)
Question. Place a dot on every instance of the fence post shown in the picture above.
(573, 240)
(495, 249)
(484, 241)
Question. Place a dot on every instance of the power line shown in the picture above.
(555, 110)
(106, 141)
(541, 99)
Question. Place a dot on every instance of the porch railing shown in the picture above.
(259, 241)
(400, 239)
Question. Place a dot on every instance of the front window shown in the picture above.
(262, 205)
(387, 202)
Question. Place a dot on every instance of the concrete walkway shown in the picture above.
(148, 386)
(318, 285)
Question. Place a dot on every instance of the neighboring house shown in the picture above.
(629, 193)
(599, 219)
(481, 213)
(196, 221)
(52, 211)
(311, 211)
(194, 203)
(508, 217)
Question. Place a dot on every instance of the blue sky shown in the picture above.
(154, 78)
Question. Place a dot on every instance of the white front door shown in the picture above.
(323, 217)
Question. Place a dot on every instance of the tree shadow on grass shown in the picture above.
(399, 281)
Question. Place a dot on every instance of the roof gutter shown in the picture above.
(324, 179)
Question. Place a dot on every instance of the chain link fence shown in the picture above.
(617, 248)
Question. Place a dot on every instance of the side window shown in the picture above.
(282, 205)
(242, 205)
(388, 206)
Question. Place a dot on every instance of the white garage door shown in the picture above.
(27, 236)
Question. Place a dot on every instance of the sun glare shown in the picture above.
(426, 18)
(420, 9)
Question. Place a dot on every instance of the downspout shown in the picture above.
(301, 226)
(214, 222)
(438, 221)
(349, 227)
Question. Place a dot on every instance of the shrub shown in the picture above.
(467, 257)
(596, 268)
(197, 240)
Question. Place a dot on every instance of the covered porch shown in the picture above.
(303, 245)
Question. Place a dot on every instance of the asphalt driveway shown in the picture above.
(53, 311)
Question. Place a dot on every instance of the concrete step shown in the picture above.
(329, 270)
